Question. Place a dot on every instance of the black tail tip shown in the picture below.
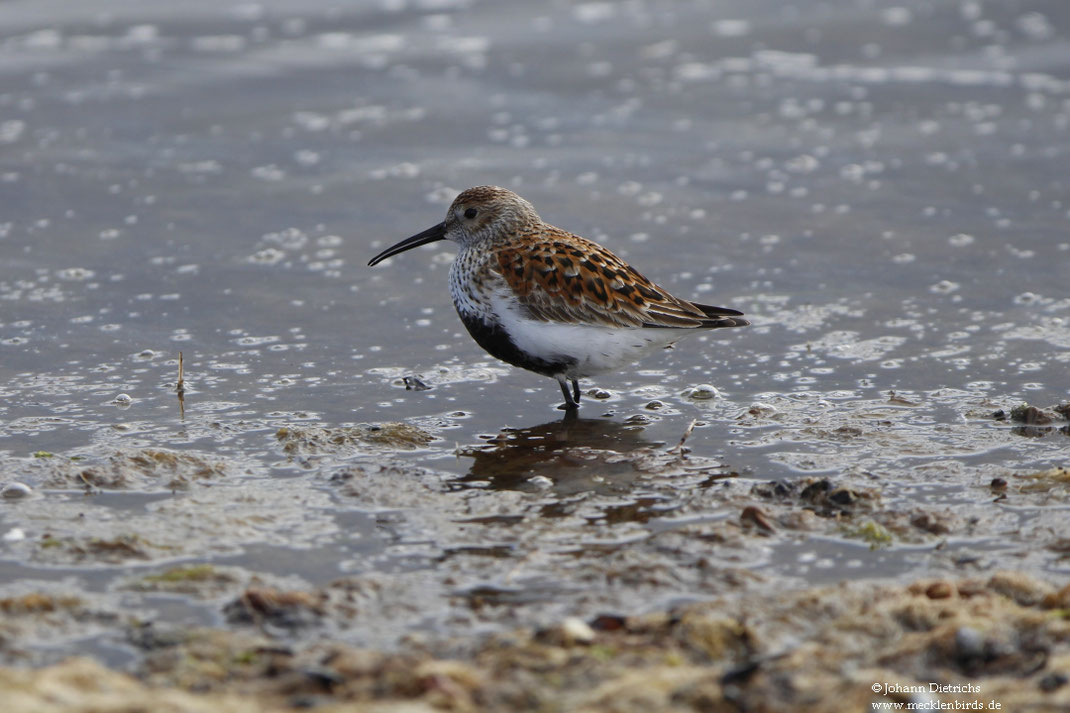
(711, 311)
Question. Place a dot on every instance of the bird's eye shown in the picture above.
(470, 213)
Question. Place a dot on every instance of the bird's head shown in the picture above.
(478, 215)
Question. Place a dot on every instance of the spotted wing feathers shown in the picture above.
(560, 277)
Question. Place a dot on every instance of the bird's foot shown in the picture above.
(572, 400)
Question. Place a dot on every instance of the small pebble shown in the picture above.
(702, 392)
(969, 642)
(1030, 415)
(414, 383)
(759, 408)
(15, 491)
(842, 496)
(609, 622)
(1053, 681)
(541, 482)
(576, 631)
(655, 405)
(15, 534)
(753, 515)
(599, 393)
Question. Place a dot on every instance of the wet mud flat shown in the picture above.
(1007, 634)
(574, 565)
(859, 497)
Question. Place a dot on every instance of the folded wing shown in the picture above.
(560, 277)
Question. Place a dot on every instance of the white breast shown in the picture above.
(593, 349)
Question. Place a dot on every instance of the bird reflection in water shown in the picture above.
(573, 454)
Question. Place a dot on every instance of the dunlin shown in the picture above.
(546, 300)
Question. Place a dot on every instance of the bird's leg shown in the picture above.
(576, 391)
(570, 403)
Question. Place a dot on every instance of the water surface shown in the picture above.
(881, 189)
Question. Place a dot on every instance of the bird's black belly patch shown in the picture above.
(493, 338)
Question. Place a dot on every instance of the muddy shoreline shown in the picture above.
(352, 505)
(610, 590)
(1001, 642)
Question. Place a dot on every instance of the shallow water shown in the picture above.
(881, 189)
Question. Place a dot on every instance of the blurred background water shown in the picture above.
(881, 187)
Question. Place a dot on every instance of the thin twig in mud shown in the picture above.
(679, 447)
(180, 388)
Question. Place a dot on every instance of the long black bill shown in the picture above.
(436, 232)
